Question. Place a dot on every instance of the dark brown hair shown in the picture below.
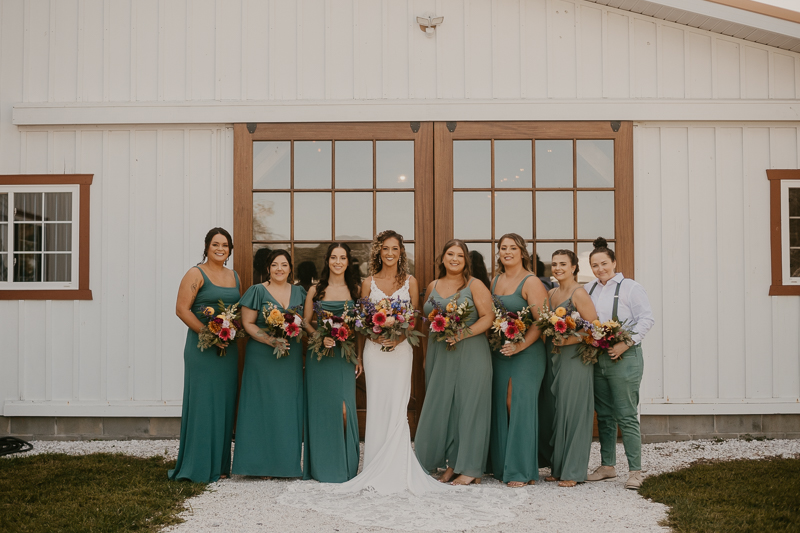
(572, 259)
(351, 277)
(527, 263)
(601, 247)
(467, 272)
(272, 257)
(375, 261)
(210, 235)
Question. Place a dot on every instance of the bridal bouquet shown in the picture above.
(450, 320)
(224, 325)
(340, 328)
(602, 336)
(389, 317)
(560, 324)
(508, 326)
(286, 324)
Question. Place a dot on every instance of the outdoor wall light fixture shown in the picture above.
(428, 25)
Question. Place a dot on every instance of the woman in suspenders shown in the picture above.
(618, 373)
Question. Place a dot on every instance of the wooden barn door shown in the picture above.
(300, 186)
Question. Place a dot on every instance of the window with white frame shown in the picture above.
(790, 229)
(39, 236)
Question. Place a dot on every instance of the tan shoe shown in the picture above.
(603, 472)
(635, 479)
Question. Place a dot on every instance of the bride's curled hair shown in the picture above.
(375, 262)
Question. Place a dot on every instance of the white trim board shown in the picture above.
(111, 409)
(39, 114)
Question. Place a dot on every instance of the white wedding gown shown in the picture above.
(392, 489)
(390, 464)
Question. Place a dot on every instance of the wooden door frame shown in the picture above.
(623, 170)
(354, 131)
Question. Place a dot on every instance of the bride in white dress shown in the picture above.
(390, 464)
(393, 490)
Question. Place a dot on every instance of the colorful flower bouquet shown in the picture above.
(223, 326)
(602, 336)
(340, 328)
(560, 324)
(508, 326)
(286, 324)
(389, 317)
(450, 320)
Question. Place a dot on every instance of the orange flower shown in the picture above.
(432, 315)
(520, 326)
(214, 327)
(570, 322)
(560, 312)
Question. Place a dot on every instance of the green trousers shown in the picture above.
(616, 398)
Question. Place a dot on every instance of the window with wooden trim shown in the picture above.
(785, 231)
(44, 237)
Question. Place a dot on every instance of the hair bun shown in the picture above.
(600, 242)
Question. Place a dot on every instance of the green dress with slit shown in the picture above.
(514, 444)
(209, 397)
(331, 451)
(269, 428)
(573, 389)
(453, 428)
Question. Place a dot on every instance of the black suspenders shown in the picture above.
(616, 299)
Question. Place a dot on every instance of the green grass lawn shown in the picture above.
(731, 496)
(99, 492)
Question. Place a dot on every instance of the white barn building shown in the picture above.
(128, 128)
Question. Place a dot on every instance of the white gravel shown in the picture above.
(246, 504)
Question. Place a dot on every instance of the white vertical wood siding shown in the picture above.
(156, 191)
(229, 50)
(720, 343)
(702, 203)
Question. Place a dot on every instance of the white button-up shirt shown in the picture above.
(633, 304)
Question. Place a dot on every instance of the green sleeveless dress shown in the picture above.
(209, 397)
(514, 444)
(330, 453)
(269, 428)
(573, 389)
(453, 428)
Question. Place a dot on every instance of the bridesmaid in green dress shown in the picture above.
(517, 370)
(269, 428)
(453, 428)
(209, 381)
(573, 381)
(331, 449)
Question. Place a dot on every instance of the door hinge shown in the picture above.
(451, 126)
(415, 127)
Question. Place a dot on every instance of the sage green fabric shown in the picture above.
(514, 442)
(331, 452)
(209, 398)
(573, 388)
(453, 428)
(616, 400)
(269, 429)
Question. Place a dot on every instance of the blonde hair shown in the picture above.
(375, 262)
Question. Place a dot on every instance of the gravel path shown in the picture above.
(245, 504)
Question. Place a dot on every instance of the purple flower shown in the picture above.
(358, 323)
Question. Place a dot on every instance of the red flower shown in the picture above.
(511, 331)
(341, 333)
(561, 326)
(225, 334)
(438, 324)
(379, 318)
(337, 319)
(292, 329)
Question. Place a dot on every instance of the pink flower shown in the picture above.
(225, 334)
(377, 329)
(511, 331)
(561, 326)
(379, 318)
(341, 333)
(401, 318)
(389, 322)
(438, 324)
